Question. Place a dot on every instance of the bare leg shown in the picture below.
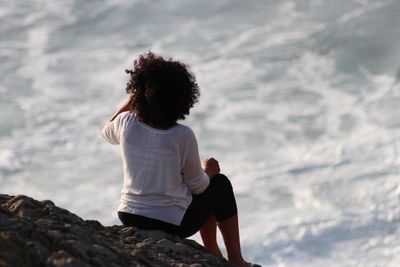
(230, 232)
(208, 234)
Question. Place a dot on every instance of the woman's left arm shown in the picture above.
(126, 106)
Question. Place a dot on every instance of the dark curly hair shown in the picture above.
(163, 91)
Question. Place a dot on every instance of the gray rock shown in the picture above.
(37, 233)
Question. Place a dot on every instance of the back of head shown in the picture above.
(163, 90)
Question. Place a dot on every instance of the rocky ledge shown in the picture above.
(38, 233)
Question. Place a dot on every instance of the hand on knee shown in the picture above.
(211, 167)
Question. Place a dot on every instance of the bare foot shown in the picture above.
(240, 262)
(214, 250)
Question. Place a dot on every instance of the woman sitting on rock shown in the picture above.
(165, 185)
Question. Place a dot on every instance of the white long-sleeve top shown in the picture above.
(162, 168)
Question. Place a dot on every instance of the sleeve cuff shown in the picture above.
(206, 182)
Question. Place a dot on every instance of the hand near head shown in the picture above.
(130, 100)
(211, 167)
(126, 106)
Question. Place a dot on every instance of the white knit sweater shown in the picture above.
(162, 168)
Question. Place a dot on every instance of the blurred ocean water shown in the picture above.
(299, 104)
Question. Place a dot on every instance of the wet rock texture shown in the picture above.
(38, 233)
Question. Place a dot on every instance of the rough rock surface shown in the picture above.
(38, 233)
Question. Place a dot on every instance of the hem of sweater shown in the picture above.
(171, 214)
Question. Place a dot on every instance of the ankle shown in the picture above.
(235, 257)
(234, 254)
(214, 249)
(240, 262)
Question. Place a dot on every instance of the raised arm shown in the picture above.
(112, 129)
(126, 106)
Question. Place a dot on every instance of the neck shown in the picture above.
(151, 124)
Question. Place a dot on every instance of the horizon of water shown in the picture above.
(298, 103)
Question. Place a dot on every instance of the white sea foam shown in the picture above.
(298, 104)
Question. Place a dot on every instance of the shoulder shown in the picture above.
(125, 117)
(184, 130)
(186, 134)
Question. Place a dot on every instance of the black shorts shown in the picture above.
(218, 200)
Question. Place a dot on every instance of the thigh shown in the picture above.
(142, 222)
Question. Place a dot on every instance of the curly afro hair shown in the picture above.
(163, 91)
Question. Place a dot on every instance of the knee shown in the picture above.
(221, 181)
